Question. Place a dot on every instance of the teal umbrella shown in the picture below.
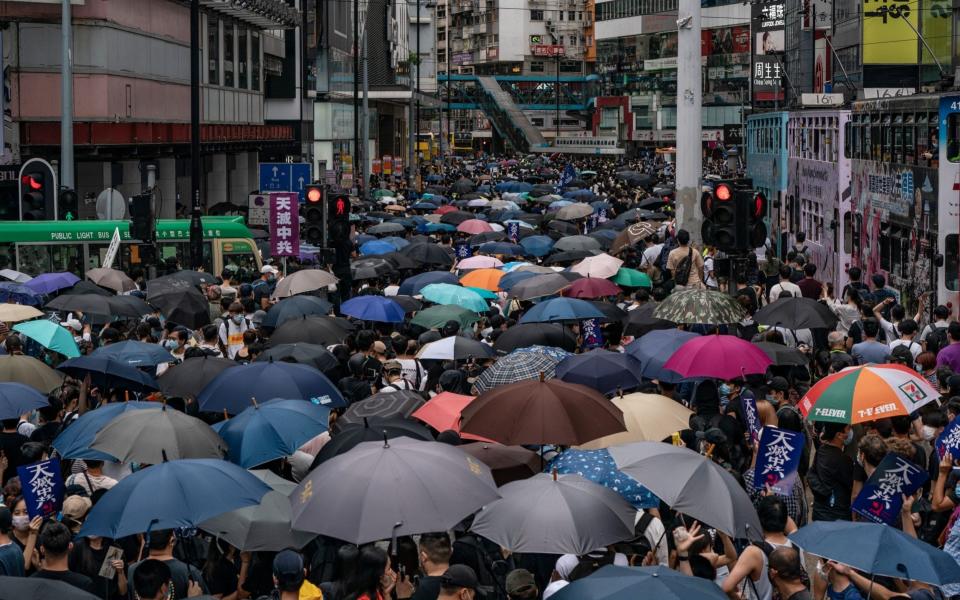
(485, 294)
(446, 293)
(50, 335)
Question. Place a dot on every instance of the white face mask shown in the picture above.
(929, 433)
(21, 522)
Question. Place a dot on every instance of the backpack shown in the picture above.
(589, 564)
(936, 340)
(668, 244)
(682, 275)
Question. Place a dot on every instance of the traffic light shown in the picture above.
(68, 205)
(719, 217)
(142, 225)
(338, 218)
(756, 210)
(313, 215)
(38, 192)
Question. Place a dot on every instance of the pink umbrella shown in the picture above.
(474, 226)
(445, 209)
(479, 262)
(719, 357)
(591, 287)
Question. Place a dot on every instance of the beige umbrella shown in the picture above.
(14, 313)
(112, 279)
(29, 371)
(602, 266)
(307, 280)
(572, 212)
(433, 218)
(648, 417)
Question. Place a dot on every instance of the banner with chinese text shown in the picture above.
(284, 224)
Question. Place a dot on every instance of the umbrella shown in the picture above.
(546, 284)
(50, 335)
(445, 293)
(156, 435)
(192, 375)
(442, 412)
(74, 441)
(462, 186)
(611, 312)
(196, 278)
(648, 417)
(653, 349)
(574, 212)
(314, 355)
(576, 242)
(718, 356)
(543, 334)
(306, 280)
(113, 279)
(40, 588)
(135, 354)
(537, 245)
(376, 247)
(233, 391)
(435, 317)
(879, 550)
(428, 254)
(485, 294)
(548, 514)
(601, 266)
(599, 467)
(108, 372)
(29, 371)
(691, 484)
(18, 293)
(294, 307)
(542, 412)
(409, 304)
(47, 283)
(274, 429)
(632, 234)
(513, 277)
(783, 355)
(179, 301)
(479, 262)
(455, 347)
(700, 306)
(488, 279)
(15, 276)
(370, 430)
(474, 226)
(413, 285)
(796, 313)
(502, 248)
(373, 308)
(313, 330)
(370, 268)
(514, 367)
(641, 321)
(632, 278)
(179, 493)
(262, 527)
(561, 309)
(591, 287)
(456, 217)
(570, 256)
(17, 399)
(14, 313)
(385, 406)
(392, 488)
(98, 304)
(625, 583)
(602, 370)
(864, 393)
(385, 229)
(507, 463)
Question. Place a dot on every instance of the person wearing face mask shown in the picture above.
(11, 558)
(831, 477)
(25, 532)
(870, 451)
(263, 287)
(176, 344)
(232, 330)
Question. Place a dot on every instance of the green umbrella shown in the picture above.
(485, 294)
(436, 317)
(382, 193)
(447, 293)
(632, 278)
(50, 335)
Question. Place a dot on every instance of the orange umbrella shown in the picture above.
(488, 279)
(442, 412)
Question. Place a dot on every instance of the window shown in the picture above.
(242, 55)
(537, 121)
(953, 137)
(536, 15)
(951, 262)
(847, 233)
(536, 66)
(213, 51)
(255, 60)
(573, 40)
(229, 56)
(571, 15)
(561, 15)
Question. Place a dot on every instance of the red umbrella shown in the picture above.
(445, 209)
(718, 356)
(592, 287)
(442, 412)
(474, 226)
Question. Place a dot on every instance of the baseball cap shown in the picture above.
(520, 581)
(73, 324)
(392, 365)
(76, 507)
(779, 384)
(459, 576)
(288, 567)
(268, 269)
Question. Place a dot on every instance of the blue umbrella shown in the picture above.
(47, 283)
(582, 195)
(561, 309)
(411, 286)
(560, 204)
(75, 441)
(363, 238)
(17, 399)
(274, 429)
(396, 242)
(435, 227)
(50, 335)
(599, 467)
(376, 247)
(502, 248)
(407, 222)
(171, 495)
(433, 178)
(425, 206)
(602, 370)
(654, 349)
(537, 245)
(627, 583)
(108, 372)
(878, 549)
(373, 308)
(514, 277)
(135, 354)
(234, 389)
(18, 293)
(295, 307)
(600, 205)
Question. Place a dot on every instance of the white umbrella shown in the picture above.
(16, 276)
(602, 266)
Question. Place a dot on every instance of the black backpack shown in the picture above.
(589, 564)
(682, 276)
(937, 339)
(668, 244)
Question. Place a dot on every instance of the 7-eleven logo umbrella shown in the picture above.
(867, 393)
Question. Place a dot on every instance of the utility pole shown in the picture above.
(689, 117)
(196, 227)
(356, 89)
(556, 89)
(364, 162)
(66, 98)
(416, 154)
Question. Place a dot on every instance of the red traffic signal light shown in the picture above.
(723, 192)
(32, 182)
(759, 205)
(314, 194)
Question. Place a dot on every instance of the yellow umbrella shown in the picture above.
(14, 313)
(648, 417)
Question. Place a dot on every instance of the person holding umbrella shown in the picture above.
(185, 579)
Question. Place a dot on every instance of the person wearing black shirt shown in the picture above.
(50, 424)
(54, 548)
(831, 478)
(786, 573)
(435, 551)
(10, 443)
(87, 556)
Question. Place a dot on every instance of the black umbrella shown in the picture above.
(399, 261)
(563, 228)
(40, 588)
(611, 311)
(456, 217)
(192, 375)
(86, 287)
(195, 277)
(97, 304)
(542, 189)
(796, 313)
(577, 183)
(371, 430)
(571, 256)
(385, 405)
(462, 186)
(409, 304)
(312, 355)
(783, 355)
(179, 301)
(486, 236)
(653, 202)
(428, 254)
(370, 268)
(539, 334)
(641, 321)
(312, 330)
(295, 307)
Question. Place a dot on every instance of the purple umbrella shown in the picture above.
(373, 308)
(47, 283)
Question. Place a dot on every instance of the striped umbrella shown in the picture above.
(866, 393)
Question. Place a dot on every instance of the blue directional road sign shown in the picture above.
(285, 177)
(300, 177)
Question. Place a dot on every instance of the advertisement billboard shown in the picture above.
(890, 32)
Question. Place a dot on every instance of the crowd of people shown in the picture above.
(874, 325)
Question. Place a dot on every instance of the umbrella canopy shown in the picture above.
(488, 279)
(626, 583)
(16, 276)
(274, 429)
(113, 279)
(507, 463)
(262, 527)
(601, 266)
(479, 262)
(555, 515)
(47, 283)
(591, 287)
(474, 226)
(385, 405)
(632, 278)
(98, 304)
(602, 370)
(542, 412)
(295, 307)
(513, 277)
(313, 355)
(537, 245)
(376, 247)
(878, 549)
(543, 334)
(502, 248)
(576, 242)
(546, 284)
(39, 588)
(393, 488)
(196, 278)
(74, 441)
(372, 429)
(234, 390)
(373, 308)
(29, 371)
(412, 285)
(517, 366)
(14, 313)
(574, 212)
(599, 467)
(303, 281)
(187, 379)
(783, 355)
(371, 268)
(648, 417)
(691, 484)
(409, 304)
(108, 372)
(561, 309)
(428, 254)
(442, 412)
(641, 321)
(179, 300)
(445, 293)
(462, 186)
(179, 493)
(654, 349)
(718, 356)
(859, 394)
(796, 313)
(155, 435)
(17, 399)
(435, 317)
(19, 293)
(313, 330)
(50, 335)
(632, 234)
(700, 306)
(135, 354)
(455, 347)
(385, 229)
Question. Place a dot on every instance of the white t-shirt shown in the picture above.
(411, 368)
(913, 346)
(710, 280)
(784, 286)
(98, 481)
(650, 255)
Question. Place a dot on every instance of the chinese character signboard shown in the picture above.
(42, 487)
(882, 495)
(752, 416)
(591, 333)
(284, 224)
(777, 460)
(949, 440)
(768, 45)
(462, 250)
(890, 32)
(547, 50)
(513, 231)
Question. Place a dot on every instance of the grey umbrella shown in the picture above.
(385, 229)
(691, 484)
(576, 242)
(385, 489)
(111, 278)
(153, 436)
(547, 284)
(303, 281)
(556, 515)
(263, 527)
(38, 588)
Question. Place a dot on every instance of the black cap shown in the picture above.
(779, 384)
(459, 576)
(288, 566)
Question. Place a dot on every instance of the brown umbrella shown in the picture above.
(111, 278)
(542, 412)
(29, 371)
(507, 463)
(631, 235)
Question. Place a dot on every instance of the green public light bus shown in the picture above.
(35, 247)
